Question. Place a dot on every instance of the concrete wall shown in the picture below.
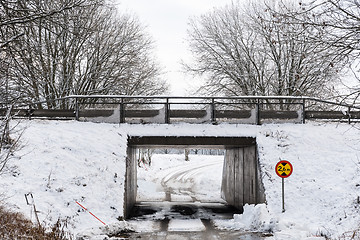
(241, 181)
(130, 181)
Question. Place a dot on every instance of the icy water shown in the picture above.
(179, 220)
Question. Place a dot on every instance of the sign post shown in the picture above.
(283, 169)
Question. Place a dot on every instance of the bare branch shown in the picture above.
(84, 47)
(256, 51)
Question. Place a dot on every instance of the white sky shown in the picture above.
(166, 22)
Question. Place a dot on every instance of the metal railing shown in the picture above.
(252, 109)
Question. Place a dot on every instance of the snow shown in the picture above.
(171, 169)
(64, 162)
(254, 218)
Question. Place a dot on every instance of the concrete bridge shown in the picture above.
(159, 109)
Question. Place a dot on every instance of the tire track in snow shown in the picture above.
(181, 179)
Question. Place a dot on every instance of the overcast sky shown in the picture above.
(166, 21)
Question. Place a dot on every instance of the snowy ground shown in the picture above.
(198, 179)
(64, 162)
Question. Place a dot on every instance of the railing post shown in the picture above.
(29, 112)
(167, 111)
(349, 116)
(76, 109)
(212, 106)
(122, 111)
(257, 112)
(303, 111)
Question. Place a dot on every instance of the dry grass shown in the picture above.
(14, 226)
(353, 235)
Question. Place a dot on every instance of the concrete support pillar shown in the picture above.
(130, 181)
(241, 183)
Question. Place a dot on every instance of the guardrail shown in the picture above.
(164, 109)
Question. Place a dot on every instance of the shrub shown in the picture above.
(14, 226)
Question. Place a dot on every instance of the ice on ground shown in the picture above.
(189, 225)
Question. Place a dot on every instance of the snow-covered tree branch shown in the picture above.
(254, 50)
(82, 47)
(339, 23)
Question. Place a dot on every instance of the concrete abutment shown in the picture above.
(241, 182)
(130, 181)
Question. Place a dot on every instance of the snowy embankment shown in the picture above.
(64, 162)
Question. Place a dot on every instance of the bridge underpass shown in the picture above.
(241, 181)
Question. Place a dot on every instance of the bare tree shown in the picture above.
(16, 14)
(16, 17)
(250, 51)
(118, 59)
(339, 19)
(85, 49)
(225, 52)
(8, 145)
(339, 23)
(301, 66)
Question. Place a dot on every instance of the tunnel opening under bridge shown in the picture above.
(240, 181)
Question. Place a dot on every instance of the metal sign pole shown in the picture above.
(283, 195)
(283, 169)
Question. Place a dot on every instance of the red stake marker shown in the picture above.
(90, 213)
